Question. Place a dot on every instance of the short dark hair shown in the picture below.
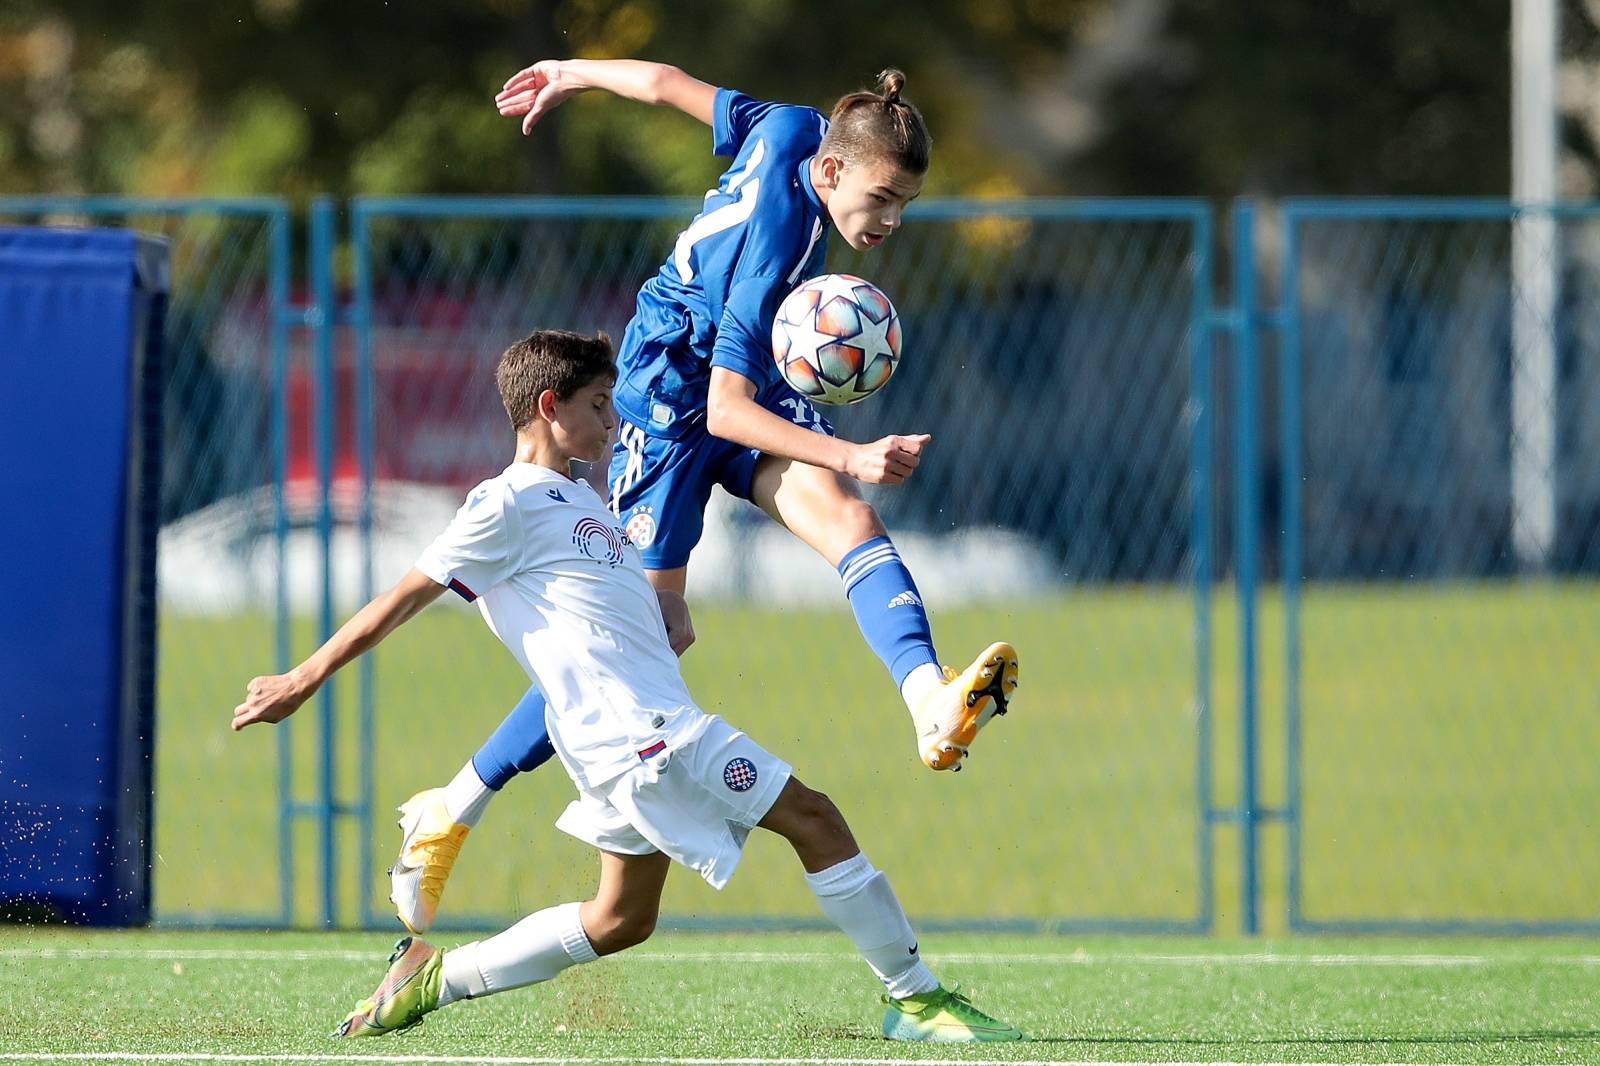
(871, 127)
(555, 359)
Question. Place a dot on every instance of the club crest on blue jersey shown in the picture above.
(598, 541)
(739, 775)
(641, 527)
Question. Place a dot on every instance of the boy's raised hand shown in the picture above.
(534, 91)
(270, 699)
(675, 613)
(888, 460)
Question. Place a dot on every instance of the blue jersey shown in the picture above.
(762, 231)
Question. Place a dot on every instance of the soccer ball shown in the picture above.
(836, 339)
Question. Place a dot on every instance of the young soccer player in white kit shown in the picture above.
(658, 779)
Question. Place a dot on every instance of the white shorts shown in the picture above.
(697, 804)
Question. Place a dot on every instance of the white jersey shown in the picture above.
(563, 588)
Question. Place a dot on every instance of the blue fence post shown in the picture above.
(1200, 474)
(322, 239)
(361, 321)
(1289, 460)
(1245, 521)
(278, 285)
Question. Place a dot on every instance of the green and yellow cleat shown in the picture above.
(943, 1016)
(950, 716)
(428, 850)
(409, 990)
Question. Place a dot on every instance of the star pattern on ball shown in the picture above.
(836, 339)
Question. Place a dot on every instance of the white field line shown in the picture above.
(1065, 958)
(543, 1060)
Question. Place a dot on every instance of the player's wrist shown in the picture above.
(845, 462)
(306, 679)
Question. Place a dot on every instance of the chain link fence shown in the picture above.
(1431, 542)
(1441, 547)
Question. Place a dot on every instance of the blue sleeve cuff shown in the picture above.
(723, 140)
(759, 367)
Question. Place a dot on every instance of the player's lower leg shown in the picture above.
(434, 823)
(948, 708)
(860, 900)
(536, 949)
(421, 978)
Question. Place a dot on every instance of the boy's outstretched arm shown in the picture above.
(534, 91)
(733, 414)
(274, 698)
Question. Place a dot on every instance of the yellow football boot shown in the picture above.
(949, 717)
(427, 852)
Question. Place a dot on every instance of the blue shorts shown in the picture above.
(660, 487)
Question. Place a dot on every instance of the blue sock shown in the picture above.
(887, 606)
(518, 744)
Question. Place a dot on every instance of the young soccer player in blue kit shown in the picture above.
(702, 404)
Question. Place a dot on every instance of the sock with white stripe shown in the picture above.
(535, 949)
(888, 608)
(858, 898)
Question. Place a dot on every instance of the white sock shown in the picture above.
(859, 899)
(459, 976)
(919, 683)
(535, 949)
(466, 797)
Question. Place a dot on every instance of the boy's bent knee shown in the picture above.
(823, 813)
(611, 931)
(857, 517)
(813, 824)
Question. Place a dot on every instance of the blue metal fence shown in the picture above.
(1408, 403)
(1440, 539)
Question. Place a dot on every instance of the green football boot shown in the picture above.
(409, 990)
(943, 1016)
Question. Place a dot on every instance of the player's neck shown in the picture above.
(540, 449)
(819, 180)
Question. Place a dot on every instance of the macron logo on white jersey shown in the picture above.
(905, 599)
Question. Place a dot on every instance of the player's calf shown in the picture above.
(611, 930)
(812, 825)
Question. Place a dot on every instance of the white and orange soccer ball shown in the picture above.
(836, 339)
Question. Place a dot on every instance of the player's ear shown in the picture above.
(832, 167)
(547, 405)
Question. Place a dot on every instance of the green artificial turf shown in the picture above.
(1448, 771)
(804, 998)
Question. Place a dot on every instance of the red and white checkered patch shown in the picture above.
(739, 775)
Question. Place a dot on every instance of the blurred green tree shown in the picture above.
(1212, 97)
